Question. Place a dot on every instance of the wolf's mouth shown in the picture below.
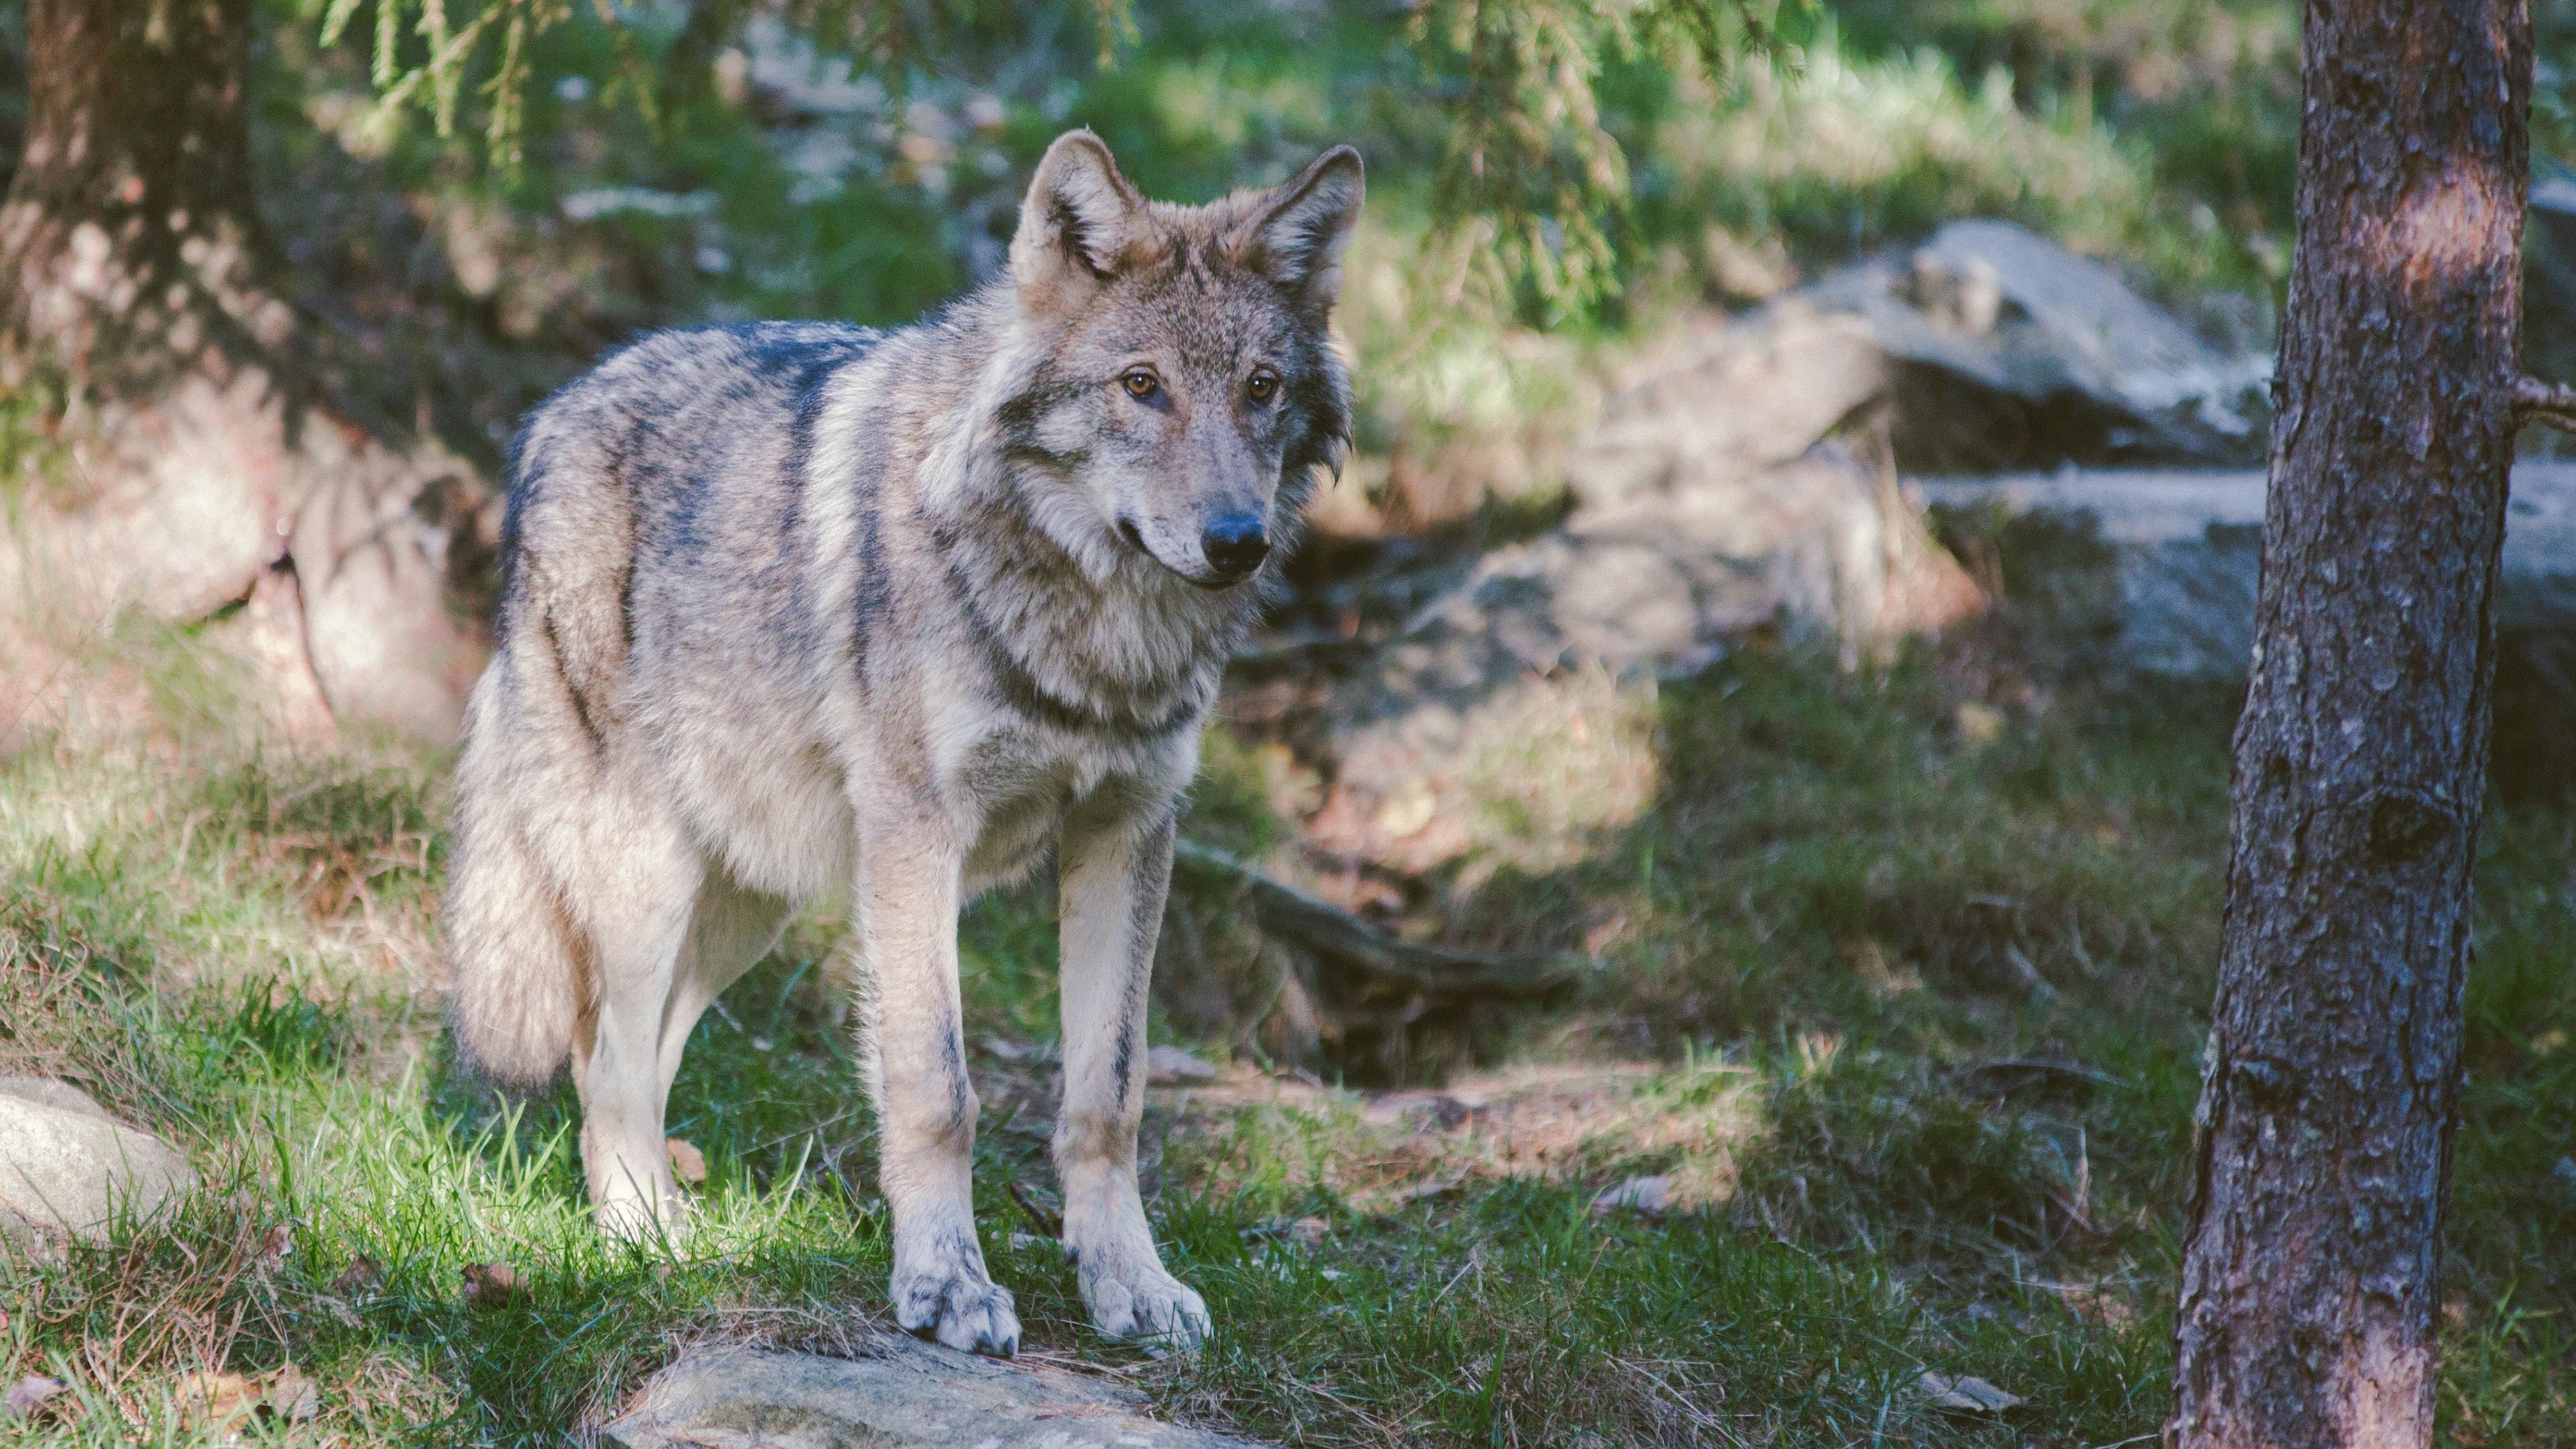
(1136, 540)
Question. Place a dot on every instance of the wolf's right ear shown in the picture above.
(1081, 224)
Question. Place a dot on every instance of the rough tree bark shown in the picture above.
(2329, 1097)
(206, 466)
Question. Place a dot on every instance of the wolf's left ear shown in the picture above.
(1080, 225)
(1299, 231)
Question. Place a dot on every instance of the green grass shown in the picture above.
(1798, 1022)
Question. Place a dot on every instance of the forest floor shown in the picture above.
(1898, 991)
(1899, 975)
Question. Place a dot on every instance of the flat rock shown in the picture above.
(904, 1395)
(2185, 548)
(1988, 346)
(2009, 350)
(2170, 585)
(67, 1166)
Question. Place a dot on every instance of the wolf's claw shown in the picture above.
(1146, 1304)
(962, 1310)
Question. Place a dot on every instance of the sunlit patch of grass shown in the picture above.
(345, 838)
(1281, 1147)
(1579, 763)
(1830, 842)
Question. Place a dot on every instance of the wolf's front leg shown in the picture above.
(908, 886)
(1116, 867)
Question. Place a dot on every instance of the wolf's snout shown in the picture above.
(1235, 545)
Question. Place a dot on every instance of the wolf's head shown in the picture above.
(1188, 386)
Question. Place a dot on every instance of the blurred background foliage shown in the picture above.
(1549, 178)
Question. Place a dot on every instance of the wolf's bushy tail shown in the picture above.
(517, 967)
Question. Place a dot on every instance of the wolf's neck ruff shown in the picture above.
(1128, 651)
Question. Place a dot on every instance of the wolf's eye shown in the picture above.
(1141, 382)
(1261, 387)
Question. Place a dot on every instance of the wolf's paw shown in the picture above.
(960, 1307)
(640, 1221)
(1140, 1301)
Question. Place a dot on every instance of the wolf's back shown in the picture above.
(613, 458)
(624, 456)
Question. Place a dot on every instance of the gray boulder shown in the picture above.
(1751, 394)
(1652, 585)
(2166, 581)
(903, 1395)
(1710, 502)
(66, 1166)
(1988, 345)
(2009, 350)
(1744, 482)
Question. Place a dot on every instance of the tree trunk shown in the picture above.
(139, 306)
(2330, 1091)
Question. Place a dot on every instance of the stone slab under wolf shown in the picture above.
(67, 1166)
(904, 1395)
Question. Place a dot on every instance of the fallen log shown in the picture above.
(1326, 931)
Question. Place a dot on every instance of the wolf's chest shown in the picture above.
(1018, 783)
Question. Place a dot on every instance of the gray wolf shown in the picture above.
(796, 606)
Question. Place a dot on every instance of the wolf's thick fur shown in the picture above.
(795, 606)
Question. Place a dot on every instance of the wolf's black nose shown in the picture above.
(1235, 545)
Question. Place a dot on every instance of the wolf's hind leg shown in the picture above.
(636, 917)
(909, 880)
(1114, 875)
(730, 929)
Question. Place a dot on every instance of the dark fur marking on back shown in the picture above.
(621, 455)
(572, 690)
(811, 393)
(874, 588)
(513, 506)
